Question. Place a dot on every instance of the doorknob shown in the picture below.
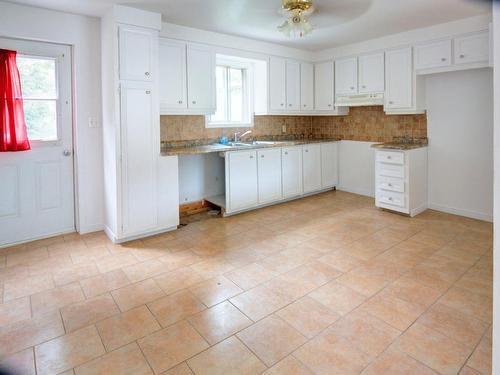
(66, 152)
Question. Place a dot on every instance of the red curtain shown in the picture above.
(13, 133)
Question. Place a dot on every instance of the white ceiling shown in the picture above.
(337, 22)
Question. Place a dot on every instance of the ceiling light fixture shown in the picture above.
(297, 23)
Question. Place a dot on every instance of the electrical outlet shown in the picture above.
(283, 129)
(93, 123)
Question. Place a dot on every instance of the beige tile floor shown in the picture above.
(323, 285)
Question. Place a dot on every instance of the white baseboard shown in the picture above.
(364, 192)
(418, 210)
(91, 228)
(461, 212)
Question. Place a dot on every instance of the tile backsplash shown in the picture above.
(361, 124)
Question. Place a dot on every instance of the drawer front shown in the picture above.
(391, 198)
(390, 170)
(393, 157)
(391, 184)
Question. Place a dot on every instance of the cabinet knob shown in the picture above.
(305, 105)
(289, 105)
(286, 152)
(306, 150)
(282, 104)
(462, 56)
(389, 157)
(148, 92)
(390, 198)
(147, 74)
(390, 185)
(352, 88)
(194, 102)
(261, 156)
(180, 102)
(391, 102)
(251, 156)
(329, 105)
(363, 86)
(443, 59)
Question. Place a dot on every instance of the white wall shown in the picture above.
(82, 33)
(460, 131)
(496, 246)
(200, 176)
(357, 167)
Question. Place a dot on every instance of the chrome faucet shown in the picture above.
(238, 136)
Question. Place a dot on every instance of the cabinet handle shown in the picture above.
(462, 56)
(146, 74)
(180, 102)
(443, 59)
(148, 92)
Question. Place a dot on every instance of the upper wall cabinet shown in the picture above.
(398, 79)
(346, 76)
(173, 85)
(306, 87)
(371, 73)
(277, 84)
(323, 86)
(292, 85)
(433, 55)
(136, 46)
(473, 48)
(187, 78)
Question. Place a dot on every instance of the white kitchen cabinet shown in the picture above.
(474, 48)
(329, 165)
(139, 158)
(201, 78)
(242, 185)
(324, 86)
(306, 87)
(433, 55)
(269, 178)
(346, 76)
(277, 84)
(371, 73)
(292, 85)
(401, 180)
(291, 159)
(398, 79)
(136, 49)
(311, 167)
(172, 75)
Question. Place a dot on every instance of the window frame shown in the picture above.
(57, 99)
(247, 94)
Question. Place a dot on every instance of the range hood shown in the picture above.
(359, 100)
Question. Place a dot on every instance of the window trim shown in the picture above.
(248, 92)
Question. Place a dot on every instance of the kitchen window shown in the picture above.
(40, 96)
(234, 95)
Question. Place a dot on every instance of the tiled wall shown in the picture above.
(362, 124)
(370, 124)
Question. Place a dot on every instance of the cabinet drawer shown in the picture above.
(390, 170)
(391, 157)
(391, 198)
(391, 184)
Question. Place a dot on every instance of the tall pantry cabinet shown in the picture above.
(141, 189)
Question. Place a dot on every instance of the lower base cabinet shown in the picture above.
(258, 177)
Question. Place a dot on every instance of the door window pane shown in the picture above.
(41, 119)
(39, 88)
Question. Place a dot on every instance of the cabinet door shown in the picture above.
(472, 48)
(311, 167)
(291, 160)
(323, 86)
(292, 85)
(398, 79)
(306, 87)
(172, 75)
(201, 78)
(346, 76)
(329, 165)
(433, 55)
(277, 84)
(243, 191)
(136, 50)
(269, 167)
(371, 73)
(139, 153)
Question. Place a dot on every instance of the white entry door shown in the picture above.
(36, 186)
